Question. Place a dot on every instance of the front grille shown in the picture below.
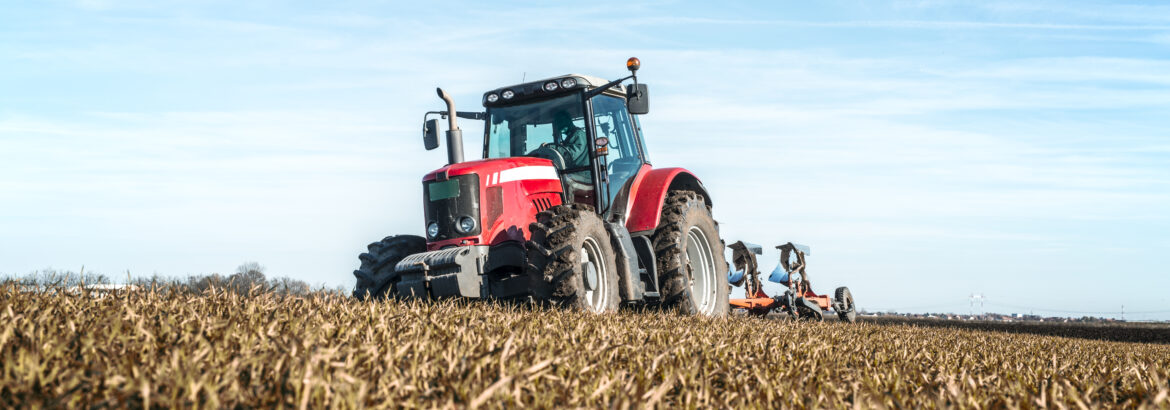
(455, 198)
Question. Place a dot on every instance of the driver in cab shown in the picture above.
(571, 144)
(570, 141)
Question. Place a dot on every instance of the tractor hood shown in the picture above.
(514, 168)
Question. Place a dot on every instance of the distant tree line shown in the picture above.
(248, 278)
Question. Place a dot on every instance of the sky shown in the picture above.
(924, 150)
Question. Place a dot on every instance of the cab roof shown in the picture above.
(534, 89)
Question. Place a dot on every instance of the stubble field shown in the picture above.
(220, 349)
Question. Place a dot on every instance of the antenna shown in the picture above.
(523, 76)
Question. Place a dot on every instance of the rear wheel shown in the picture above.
(845, 298)
(571, 260)
(376, 277)
(691, 268)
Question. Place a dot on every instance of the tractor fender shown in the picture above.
(646, 209)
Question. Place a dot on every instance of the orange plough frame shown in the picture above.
(761, 303)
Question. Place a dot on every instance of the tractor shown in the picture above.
(563, 209)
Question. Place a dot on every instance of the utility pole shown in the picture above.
(977, 297)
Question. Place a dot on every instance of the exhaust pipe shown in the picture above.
(454, 134)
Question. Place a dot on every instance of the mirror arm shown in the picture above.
(464, 114)
(599, 90)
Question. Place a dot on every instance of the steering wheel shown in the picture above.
(548, 152)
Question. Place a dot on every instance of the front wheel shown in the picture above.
(571, 260)
(845, 299)
(691, 268)
(376, 277)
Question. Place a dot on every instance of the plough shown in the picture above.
(798, 301)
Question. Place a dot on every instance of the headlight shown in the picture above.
(551, 86)
(466, 224)
(569, 83)
(493, 97)
(507, 94)
(433, 230)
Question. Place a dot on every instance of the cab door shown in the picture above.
(612, 124)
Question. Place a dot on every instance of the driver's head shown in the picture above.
(562, 120)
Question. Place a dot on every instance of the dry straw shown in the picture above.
(221, 349)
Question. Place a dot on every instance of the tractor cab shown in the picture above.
(581, 123)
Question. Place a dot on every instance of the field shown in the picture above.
(1115, 331)
(221, 349)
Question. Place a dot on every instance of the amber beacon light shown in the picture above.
(633, 63)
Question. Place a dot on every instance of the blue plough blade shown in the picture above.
(779, 275)
(736, 278)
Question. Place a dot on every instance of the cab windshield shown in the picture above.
(519, 130)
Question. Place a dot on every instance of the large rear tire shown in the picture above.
(691, 269)
(376, 277)
(571, 261)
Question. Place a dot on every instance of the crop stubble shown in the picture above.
(221, 349)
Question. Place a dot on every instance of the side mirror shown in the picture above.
(638, 99)
(431, 134)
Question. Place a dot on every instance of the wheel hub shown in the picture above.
(594, 276)
(590, 276)
(700, 267)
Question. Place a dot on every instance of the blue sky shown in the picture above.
(924, 150)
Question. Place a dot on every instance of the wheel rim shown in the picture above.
(701, 264)
(592, 260)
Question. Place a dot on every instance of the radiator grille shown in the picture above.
(541, 204)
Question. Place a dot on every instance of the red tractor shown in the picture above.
(565, 208)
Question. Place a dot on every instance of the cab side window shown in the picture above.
(612, 121)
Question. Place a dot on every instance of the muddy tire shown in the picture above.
(692, 271)
(571, 260)
(846, 298)
(376, 277)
